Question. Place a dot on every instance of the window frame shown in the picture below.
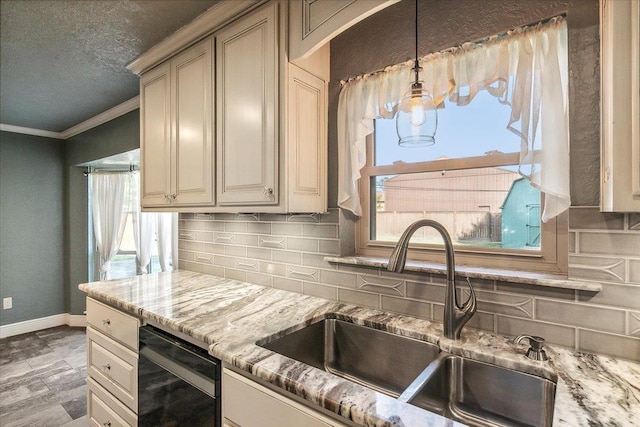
(554, 251)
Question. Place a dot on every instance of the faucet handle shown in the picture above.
(535, 352)
(471, 305)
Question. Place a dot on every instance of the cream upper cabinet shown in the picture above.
(257, 143)
(306, 142)
(155, 137)
(176, 130)
(191, 132)
(620, 105)
(247, 106)
(313, 23)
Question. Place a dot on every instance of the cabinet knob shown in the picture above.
(106, 367)
(107, 424)
(173, 196)
(106, 322)
(268, 192)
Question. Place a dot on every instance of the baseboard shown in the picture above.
(75, 320)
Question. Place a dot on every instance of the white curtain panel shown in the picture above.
(165, 237)
(144, 231)
(109, 216)
(144, 228)
(526, 69)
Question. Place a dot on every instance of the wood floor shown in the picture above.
(43, 378)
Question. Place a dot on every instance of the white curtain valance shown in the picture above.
(525, 68)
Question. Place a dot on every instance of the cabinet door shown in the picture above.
(114, 367)
(620, 106)
(307, 142)
(192, 139)
(155, 138)
(267, 408)
(246, 104)
(105, 410)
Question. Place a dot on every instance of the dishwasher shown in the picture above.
(178, 382)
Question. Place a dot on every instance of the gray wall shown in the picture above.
(44, 216)
(387, 38)
(31, 226)
(117, 136)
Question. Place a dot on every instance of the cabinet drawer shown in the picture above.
(268, 409)
(104, 410)
(113, 323)
(114, 367)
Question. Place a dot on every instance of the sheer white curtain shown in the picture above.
(108, 199)
(149, 228)
(144, 231)
(165, 238)
(526, 69)
(144, 228)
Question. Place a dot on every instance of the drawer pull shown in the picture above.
(107, 424)
(106, 367)
(106, 322)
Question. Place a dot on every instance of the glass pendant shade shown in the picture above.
(417, 118)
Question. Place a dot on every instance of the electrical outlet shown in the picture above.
(7, 303)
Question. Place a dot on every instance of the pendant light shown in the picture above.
(417, 118)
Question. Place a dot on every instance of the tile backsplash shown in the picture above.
(287, 252)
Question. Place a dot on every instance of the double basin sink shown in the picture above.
(471, 392)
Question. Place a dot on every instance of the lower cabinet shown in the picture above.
(112, 366)
(104, 410)
(246, 403)
(112, 383)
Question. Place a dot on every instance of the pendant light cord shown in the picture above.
(416, 65)
(416, 32)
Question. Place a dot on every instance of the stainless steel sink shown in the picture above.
(480, 394)
(416, 372)
(377, 359)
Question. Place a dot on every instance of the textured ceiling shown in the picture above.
(63, 61)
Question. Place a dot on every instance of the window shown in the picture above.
(474, 185)
(143, 241)
(469, 182)
(125, 264)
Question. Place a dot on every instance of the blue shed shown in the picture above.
(521, 216)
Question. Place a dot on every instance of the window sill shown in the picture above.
(513, 276)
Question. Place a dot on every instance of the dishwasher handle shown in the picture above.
(196, 379)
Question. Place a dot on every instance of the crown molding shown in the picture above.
(30, 131)
(104, 117)
(205, 24)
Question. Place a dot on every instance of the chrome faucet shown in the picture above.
(455, 315)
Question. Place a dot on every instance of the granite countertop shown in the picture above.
(229, 317)
(513, 276)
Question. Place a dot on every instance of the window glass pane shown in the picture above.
(480, 207)
(123, 265)
(463, 131)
